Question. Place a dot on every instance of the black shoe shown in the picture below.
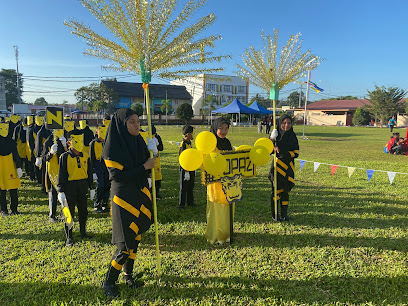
(111, 290)
(132, 283)
(99, 210)
(192, 205)
(4, 213)
(54, 220)
(85, 236)
(285, 218)
(70, 242)
(106, 210)
(15, 213)
(182, 207)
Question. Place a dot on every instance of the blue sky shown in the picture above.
(364, 43)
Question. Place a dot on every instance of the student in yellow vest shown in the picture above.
(29, 152)
(14, 121)
(38, 123)
(10, 171)
(74, 178)
(106, 120)
(42, 136)
(52, 150)
(101, 174)
(20, 137)
(186, 177)
(88, 134)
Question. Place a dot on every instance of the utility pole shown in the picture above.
(300, 96)
(18, 76)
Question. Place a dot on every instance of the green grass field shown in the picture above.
(346, 244)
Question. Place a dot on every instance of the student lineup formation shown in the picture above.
(66, 162)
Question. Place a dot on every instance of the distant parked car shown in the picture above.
(40, 113)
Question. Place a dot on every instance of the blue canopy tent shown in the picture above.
(236, 107)
(255, 105)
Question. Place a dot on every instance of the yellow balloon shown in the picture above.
(206, 142)
(215, 163)
(259, 155)
(191, 159)
(244, 148)
(265, 142)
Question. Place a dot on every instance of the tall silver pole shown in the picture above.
(300, 96)
(18, 76)
(307, 93)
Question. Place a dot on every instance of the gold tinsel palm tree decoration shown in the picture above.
(271, 72)
(150, 39)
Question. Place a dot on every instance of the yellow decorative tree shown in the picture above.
(271, 71)
(146, 41)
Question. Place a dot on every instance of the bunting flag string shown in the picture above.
(350, 170)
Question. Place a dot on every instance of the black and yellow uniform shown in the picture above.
(42, 136)
(132, 210)
(288, 145)
(103, 184)
(88, 137)
(9, 180)
(186, 187)
(51, 172)
(74, 178)
(32, 132)
(157, 168)
(20, 137)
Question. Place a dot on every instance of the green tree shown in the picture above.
(40, 101)
(264, 102)
(185, 112)
(293, 99)
(361, 116)
(10, 80)
(88, 95)
(384, 102)
(166, 105)
(207, 105)
(138, 108)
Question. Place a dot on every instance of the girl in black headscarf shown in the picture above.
(218, 215)
(127, 158)
(287, 149)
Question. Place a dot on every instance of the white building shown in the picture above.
(3, 105)
(223, 88)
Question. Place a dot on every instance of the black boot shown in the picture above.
(70, 238)
(284, 211)
(109, 285)
(82, 230)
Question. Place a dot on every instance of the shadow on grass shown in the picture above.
(173, 289)
(332, 135)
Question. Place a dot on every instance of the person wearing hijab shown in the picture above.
(42, 136)
(10, 171)
(286, 146)
(157, 168)
(218, 215)
(30, 142)
(128, 161)
(186, 177)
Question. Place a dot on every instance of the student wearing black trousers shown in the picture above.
(287, 149)
(186, 177)
(74, 179)
(127, 158)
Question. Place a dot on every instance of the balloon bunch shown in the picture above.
(215, 163)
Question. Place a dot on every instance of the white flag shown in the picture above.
(391, 176)
(315, 166)
(350, 171)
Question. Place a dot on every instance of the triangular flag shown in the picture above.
(350, 171)
(391, 176)
(178, 144)
(302, 163)
(315, 166)
(333, 169)
(370, 174)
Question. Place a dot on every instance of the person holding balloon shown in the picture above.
(218, 214)
(186, 177)
(286, 146)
